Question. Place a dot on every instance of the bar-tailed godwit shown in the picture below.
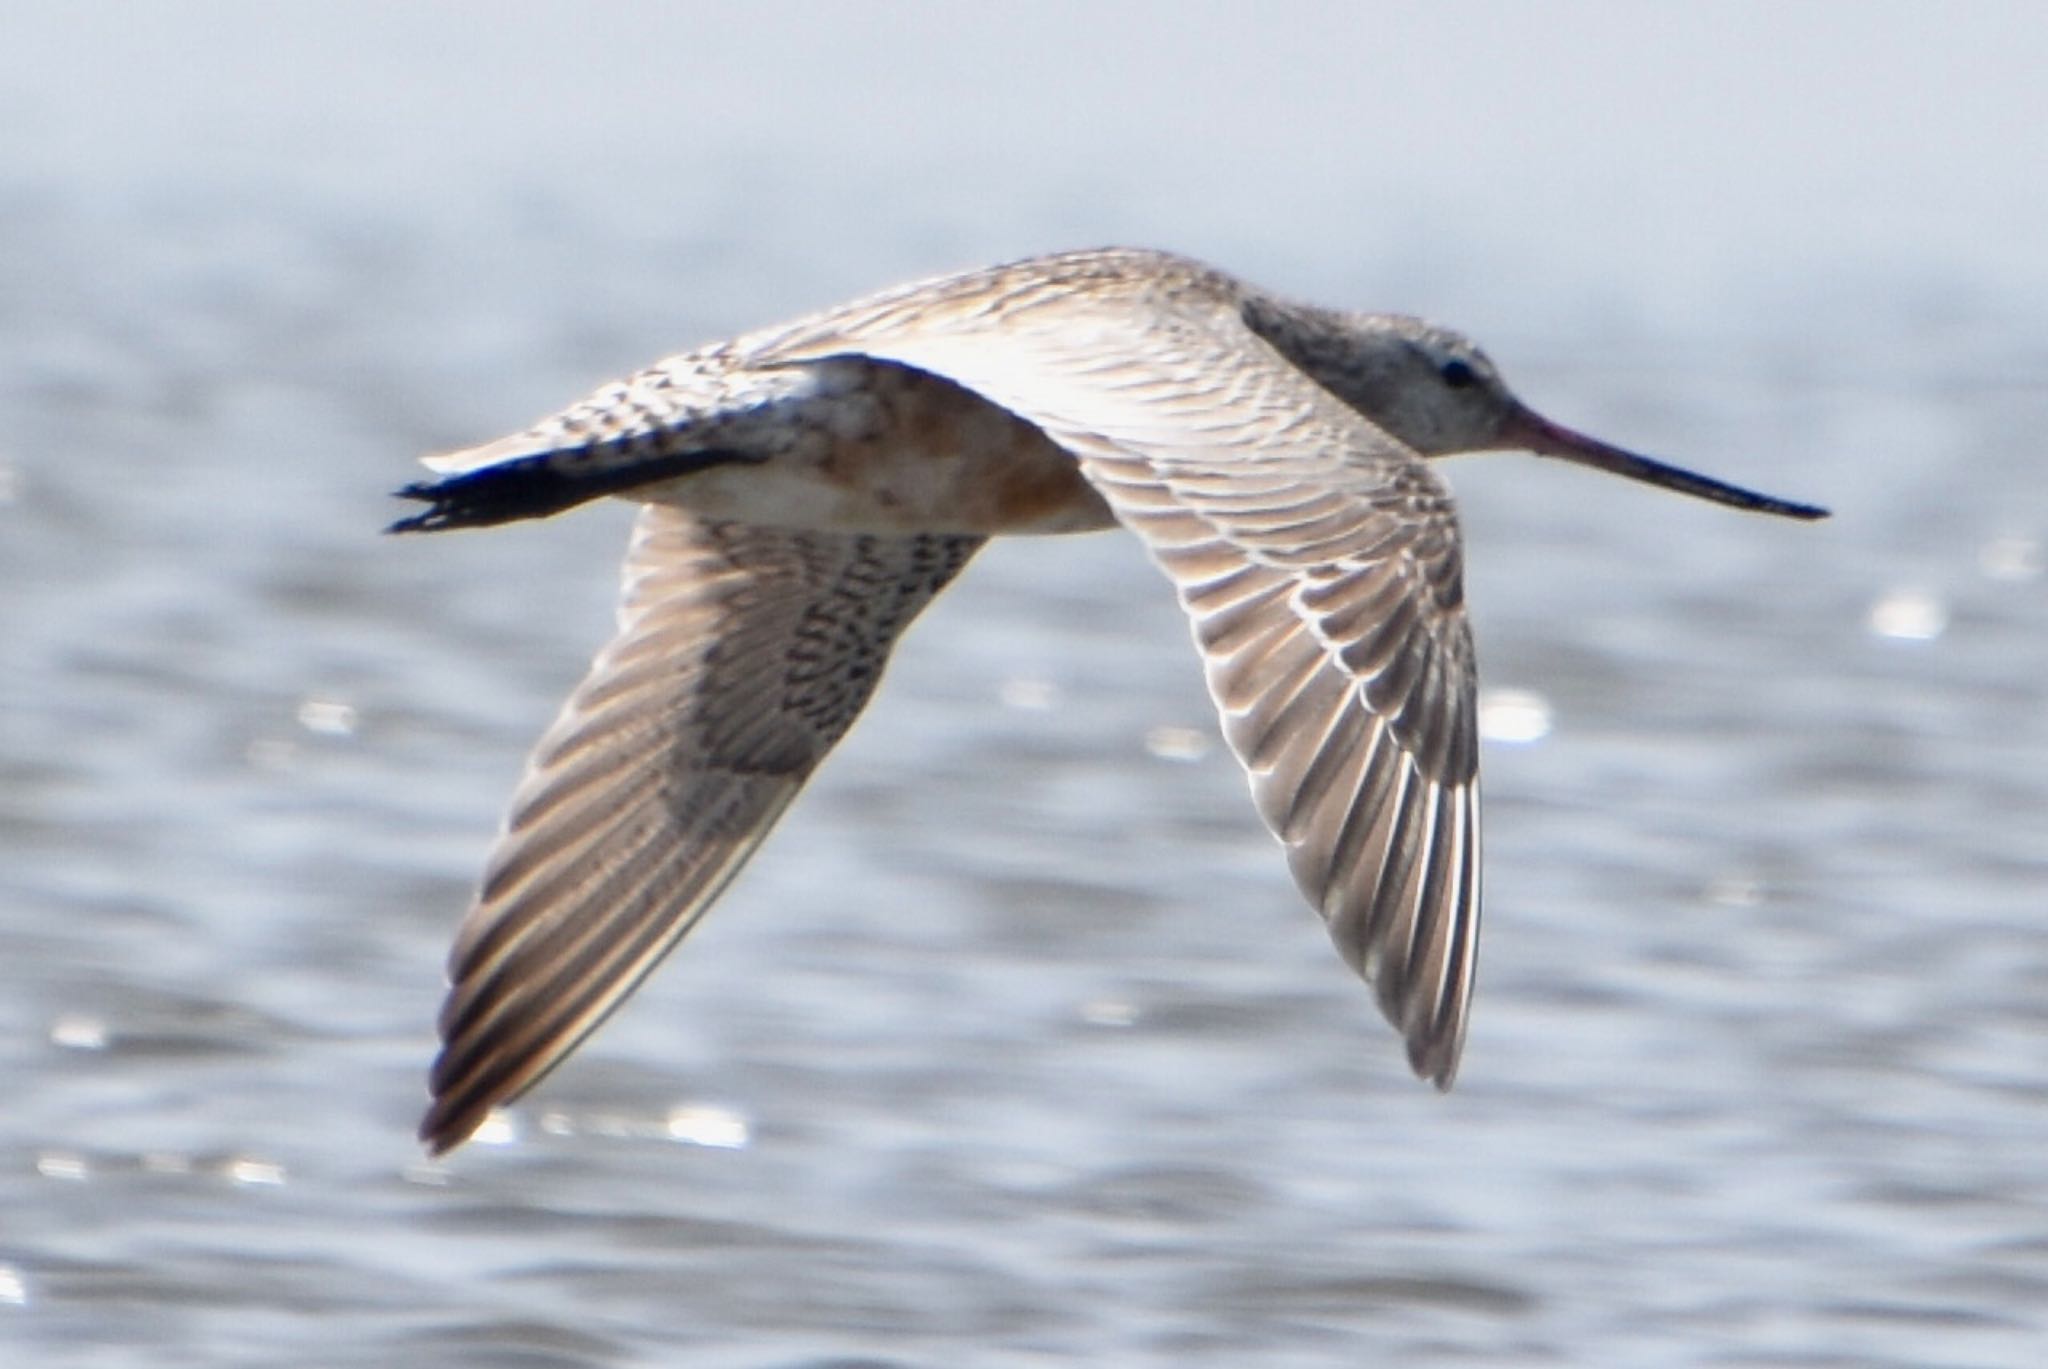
(806, 491)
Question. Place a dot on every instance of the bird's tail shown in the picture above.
(539, 484)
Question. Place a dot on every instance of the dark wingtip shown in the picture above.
(1434, 1060)
(455, 1111)
(442, 1132)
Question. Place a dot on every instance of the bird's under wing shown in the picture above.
(1318, 560)
(743, 654)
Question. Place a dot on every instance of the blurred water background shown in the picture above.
(1017, 1048)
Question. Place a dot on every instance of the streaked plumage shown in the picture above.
(810, 488)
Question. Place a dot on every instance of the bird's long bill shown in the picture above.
(1531, 431)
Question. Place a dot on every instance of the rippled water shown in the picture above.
(1016, 1048)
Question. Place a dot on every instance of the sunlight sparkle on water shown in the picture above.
(1171, 743)
(1909, 615)
(327, 717)
(79, 1032)
(252, 1173)
(703, 1124)
(67, 1165)
(497, 1129)
(1517, 716)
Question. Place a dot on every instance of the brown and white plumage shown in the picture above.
(810, 488)
(743, 654)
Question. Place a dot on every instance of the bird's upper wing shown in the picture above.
(1318, 559)
(743, 654)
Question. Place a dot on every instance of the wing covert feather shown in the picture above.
(743, 654)
(1318, 561)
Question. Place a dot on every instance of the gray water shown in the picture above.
(1016, 1048)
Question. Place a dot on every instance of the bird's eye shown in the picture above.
(1457, 373)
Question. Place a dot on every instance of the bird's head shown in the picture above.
(1438, 393)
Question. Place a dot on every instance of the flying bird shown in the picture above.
(807, 489)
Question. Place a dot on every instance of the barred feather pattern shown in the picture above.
(743, 654)
(1318, 560)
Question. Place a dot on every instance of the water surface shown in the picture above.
(1017, 1048)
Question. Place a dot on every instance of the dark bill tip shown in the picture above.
(1533, 432)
